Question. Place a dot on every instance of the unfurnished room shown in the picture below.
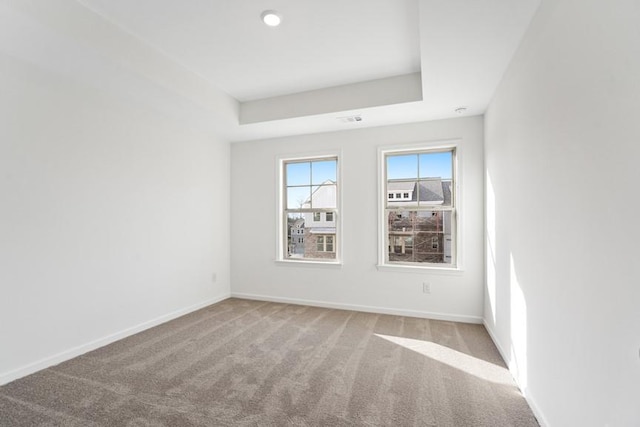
(319, 213)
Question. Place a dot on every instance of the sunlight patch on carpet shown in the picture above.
(458, 360)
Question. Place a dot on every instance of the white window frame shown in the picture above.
(456, 264)
(281, 208)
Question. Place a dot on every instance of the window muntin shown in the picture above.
(420, 227)
(310, 205)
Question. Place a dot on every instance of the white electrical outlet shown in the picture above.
(214, 277)
(426, 287)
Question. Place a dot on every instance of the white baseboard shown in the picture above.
(365, 308)
(525, 392)
(31, 368)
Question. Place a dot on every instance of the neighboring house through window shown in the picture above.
(310, 206)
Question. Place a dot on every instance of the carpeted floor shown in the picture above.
(250, 363)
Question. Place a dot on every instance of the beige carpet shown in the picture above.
(250, 363)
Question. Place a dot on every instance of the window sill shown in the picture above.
(449, 271)
(309, 263)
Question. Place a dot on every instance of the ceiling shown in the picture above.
(388, 61)
(319, 43)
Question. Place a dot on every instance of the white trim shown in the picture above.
(402, 268)
(445, 144)
(364, 308)
(525, 391)
(307, 263)
(31, 368)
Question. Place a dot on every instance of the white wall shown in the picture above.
(358, 284)
(562, 152)
(112, 215)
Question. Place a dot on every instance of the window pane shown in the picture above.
(298, 197)
(436, 165)
(419, 198)
(324, 196)
(304, 240)
(420, 236)
(299, 173)
(295, 235)
(329, 244)
(310, 185)
(323, 171)
(402, 167)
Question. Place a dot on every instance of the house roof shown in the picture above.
(400, 186)
(298, 223)
(446, 192)
(430, 191)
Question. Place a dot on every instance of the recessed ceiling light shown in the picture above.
(461, 110)
(271, 18)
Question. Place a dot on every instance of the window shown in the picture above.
(434, 242)
(391, 195)
(419, 228)
(309, 194)
(329, 244)
(324, 243)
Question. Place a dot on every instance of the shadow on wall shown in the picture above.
(507, 304)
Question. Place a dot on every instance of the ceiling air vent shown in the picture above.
(350, 119)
